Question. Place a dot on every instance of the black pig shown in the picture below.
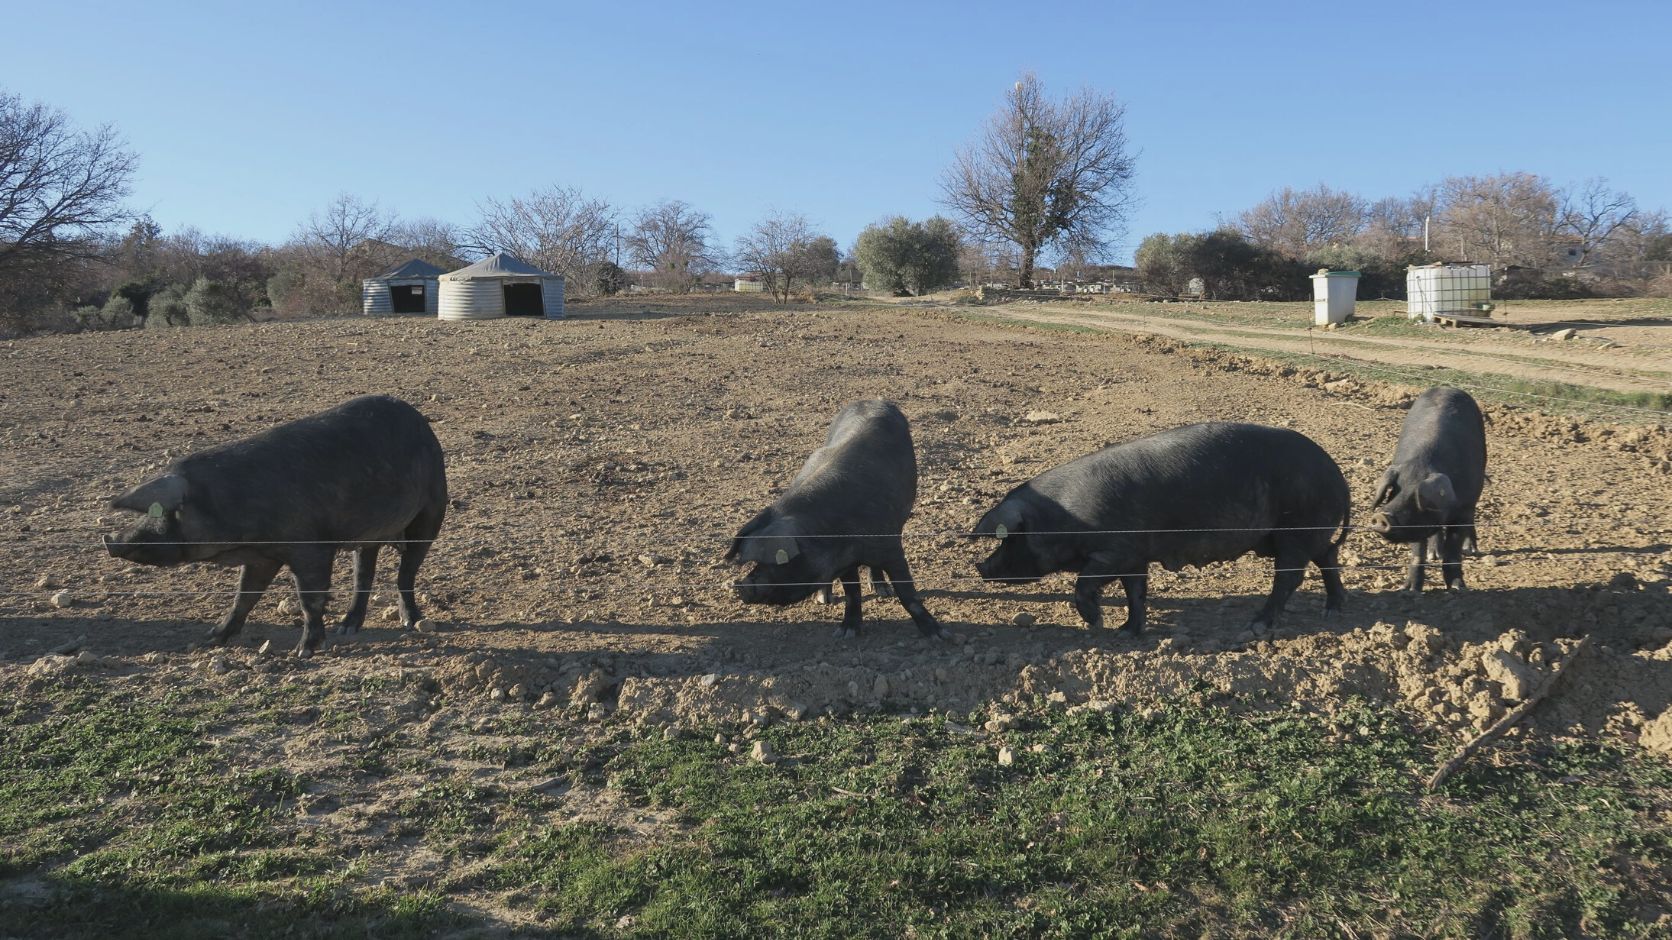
(1188, 496)
(1427, 498)
(844, 510)
(359, 476)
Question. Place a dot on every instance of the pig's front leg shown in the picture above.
(1419, 557)
(852, 617)
(252, 583)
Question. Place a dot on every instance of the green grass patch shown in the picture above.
(121, 816)
(1187, 822)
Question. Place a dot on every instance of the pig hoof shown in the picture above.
(1259, 628)
(845, 633)
(302, 652)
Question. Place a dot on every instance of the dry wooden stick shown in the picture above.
(1503, 724)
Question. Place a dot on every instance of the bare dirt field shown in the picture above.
(599, 466)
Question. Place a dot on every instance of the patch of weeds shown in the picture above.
(1181, 822)
(121, 820)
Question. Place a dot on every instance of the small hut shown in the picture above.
(410, 288)
(501, 286)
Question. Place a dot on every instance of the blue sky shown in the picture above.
(246, 117)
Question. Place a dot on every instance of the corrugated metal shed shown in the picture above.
(499, 286)
(408, 288)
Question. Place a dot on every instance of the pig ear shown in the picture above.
(1435, 493)
(1385, 491)
(773, 544)
(165, 492)
(1005, 519)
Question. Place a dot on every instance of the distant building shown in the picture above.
(500, 286)
(749, 284)
(406, 288)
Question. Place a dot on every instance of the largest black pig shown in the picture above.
(1192, 495)
(364, 474)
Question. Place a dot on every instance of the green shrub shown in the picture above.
(117, 313)
(168, 308)
(213, 302)
(905, 257)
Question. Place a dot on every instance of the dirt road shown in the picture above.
(1618, 368)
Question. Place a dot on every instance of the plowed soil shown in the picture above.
(600, 464)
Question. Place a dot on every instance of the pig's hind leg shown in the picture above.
(365, 566)
(880, 583)
(419, 536)
(252, 583)
(1329, 567)
(896, 573)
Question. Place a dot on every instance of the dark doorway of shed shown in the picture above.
(524, 300)
(408, 298)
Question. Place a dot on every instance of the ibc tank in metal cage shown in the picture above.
(1450, 290)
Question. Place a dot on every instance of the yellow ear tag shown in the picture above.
(1002, 533)
(783, 557)
(156, 511)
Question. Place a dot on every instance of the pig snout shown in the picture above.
(759, 588)
(118, 546)
(1379, 523)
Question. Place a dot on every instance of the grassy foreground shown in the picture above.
(124, 817)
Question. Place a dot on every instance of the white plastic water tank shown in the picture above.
(1334, 294)
(1447, 289)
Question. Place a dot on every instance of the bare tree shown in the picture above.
(783, 249)
(1393, 227)
(1296, 223)
(1046, 174)
(673, 241)
(337, 237)
(60, 188)
(558, 229)
(1593, 214)
(1506, 219)
(430, 240)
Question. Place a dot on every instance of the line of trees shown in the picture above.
(1045, 180)
(74, 256)
(1541, 239)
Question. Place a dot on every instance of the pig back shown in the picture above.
(1444, 433)
(864, 478)
(361, 471)
(1199, 494)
